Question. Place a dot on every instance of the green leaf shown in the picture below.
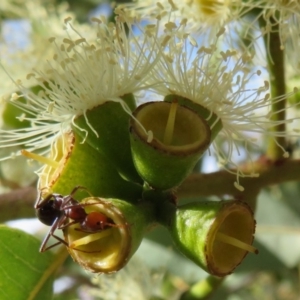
(24, 272)
(278, 227)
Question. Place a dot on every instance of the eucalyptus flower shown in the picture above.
(207, 16)
(24, 44)
(227, 91)
(207, 11)
(22, 48)
(278, 12)
(80, 76)
(204, 16)
(283, 17)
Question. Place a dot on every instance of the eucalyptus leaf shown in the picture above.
(278, 227)
(24, 272)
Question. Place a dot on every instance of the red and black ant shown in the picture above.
(56, 209)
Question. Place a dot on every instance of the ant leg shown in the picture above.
(89, 231)
(55, 225)
(117, 225)
(101, 229)
(79, 204)
(79, 187)
(60, 241)
(63, 226)
(69, 198)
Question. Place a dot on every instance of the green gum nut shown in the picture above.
(211, 118)
(107, 132)
(178, 138)
(215, 235)
(72, 163)
(110, 235)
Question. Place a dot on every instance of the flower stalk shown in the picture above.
(276, 68)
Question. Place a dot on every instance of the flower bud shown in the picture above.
(110, 234)
(167, 140)
(215, 235)
(73, 163)
(105, 128)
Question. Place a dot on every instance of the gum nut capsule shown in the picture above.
(109, 235)
(167, 140)
(215, 235)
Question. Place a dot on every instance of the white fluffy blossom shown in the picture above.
(243, 18)
(203, 16)
(282, 16)
(82, 75)
(23, 44)
(224, 83)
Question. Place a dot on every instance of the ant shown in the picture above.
(55, 209)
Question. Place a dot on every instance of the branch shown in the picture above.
(275, 60)
(221, 183)
(17, 204)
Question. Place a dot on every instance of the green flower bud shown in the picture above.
(215, 235)
(110, 234)
(105, 128)
(213, 121)
(167, 140)
(73, 163)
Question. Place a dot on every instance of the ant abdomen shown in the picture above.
(96, 221)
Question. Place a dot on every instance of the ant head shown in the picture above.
(48, 212)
